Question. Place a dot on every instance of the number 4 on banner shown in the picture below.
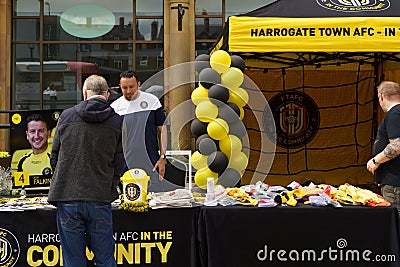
(21, 178)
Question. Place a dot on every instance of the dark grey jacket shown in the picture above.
(86, 155)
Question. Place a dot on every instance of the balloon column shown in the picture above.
(218, 125)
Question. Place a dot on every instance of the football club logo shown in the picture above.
(144, 104)
(132, 191)
(296, 117)
(46, 171)
(9, 248)
(56, 115)
(355, 5)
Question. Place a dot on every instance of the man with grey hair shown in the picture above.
(87, 160)
(385, 164)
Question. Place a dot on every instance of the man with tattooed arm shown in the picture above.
(385, 164)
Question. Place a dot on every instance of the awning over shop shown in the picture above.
(358, 30)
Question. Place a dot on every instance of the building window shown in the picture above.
(63, 42)
(235, 7)
(208, 24)
(210, 17)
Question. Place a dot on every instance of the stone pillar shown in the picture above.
(178, 48)
(5, 72)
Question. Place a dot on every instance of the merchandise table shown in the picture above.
(220, 236)
(299, 236)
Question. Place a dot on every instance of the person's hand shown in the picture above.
(160, 165)
(372, 166)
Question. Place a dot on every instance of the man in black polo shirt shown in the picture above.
(385, 164)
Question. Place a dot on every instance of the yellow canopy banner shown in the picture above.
(333, 34)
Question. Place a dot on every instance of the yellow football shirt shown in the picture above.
(37, 164)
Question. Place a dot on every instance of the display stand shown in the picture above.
(173, 154)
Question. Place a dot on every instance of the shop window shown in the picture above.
(208, 7)
(27, 8)
(235, 7)
(149, 7)
(149, 29)
(208, 28)
(49, 38)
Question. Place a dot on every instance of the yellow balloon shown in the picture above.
(199, 161)
(220, 61)
(218, 129)
(200, 177)
(230, 145)
(238, 96)
(206, 111)
(232, 78)
(241, 113)
(199, 94)
(238, 161)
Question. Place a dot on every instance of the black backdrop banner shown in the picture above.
(156, 238)
(300, 236)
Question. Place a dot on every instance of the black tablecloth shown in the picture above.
(299, 236)
(220, 236)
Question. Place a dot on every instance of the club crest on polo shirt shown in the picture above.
(144, 104)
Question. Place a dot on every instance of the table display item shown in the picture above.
(134, 184)
(178, 198)
(134, 190)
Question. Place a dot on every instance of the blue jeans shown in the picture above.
(79, 222)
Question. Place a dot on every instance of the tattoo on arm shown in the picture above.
(393, 148)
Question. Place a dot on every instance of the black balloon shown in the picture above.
(201, 137)
(229, 178)
(229, 112)
(201, 62)
(238, 62)
(217, 162)
(207, 146)
(218, 94)
(198, 127)
(208, 77)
